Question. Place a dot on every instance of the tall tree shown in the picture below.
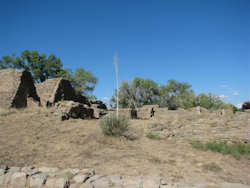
(8, 62)
(43, 67)
(176, 95)
(210, 101)
(83, 81)
(138, 92)
(39, 65)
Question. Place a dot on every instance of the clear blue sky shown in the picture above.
(203, 42)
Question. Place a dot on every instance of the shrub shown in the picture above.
(153, 136)
(112, 125)
(236, 150)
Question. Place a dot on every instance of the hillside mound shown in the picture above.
(38, 138)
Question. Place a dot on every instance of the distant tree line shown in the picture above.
(173, 95)
(43, 68)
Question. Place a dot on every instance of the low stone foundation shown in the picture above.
(46, 177)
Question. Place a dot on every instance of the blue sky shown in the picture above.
(203, 42)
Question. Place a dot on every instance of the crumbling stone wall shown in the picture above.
(15, 88)
(47, 177)
(54, 90)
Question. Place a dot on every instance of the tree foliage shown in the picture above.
(43, 68)
(173, 95)
(39, 65)
(209, 101)
(138, 92)
(176, 95)
(83, 81)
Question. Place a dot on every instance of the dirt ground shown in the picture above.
(38, 138)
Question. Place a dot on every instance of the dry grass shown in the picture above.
(212, 167)
(36, 137)
(4, 112)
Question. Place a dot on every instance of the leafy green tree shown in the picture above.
(83, 81)
(8, 61)
(173, 95)
(147, 90)
(43, 68)
(176, 95)
(39, 65)
(210, 101)
(127, 97)
(138, 92)
(185, 100)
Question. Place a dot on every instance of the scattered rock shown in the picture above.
(71, 109)
(94, 178)
(80, 178)
(29, 170)
(18, 180)
(86, 185)
(56, 183)
(98, 104)
(98, 113)
(22, 180)
(38, 180)
(2, 172)
(73, 186)
(246, 106)
(133, 182)
(14, 169)
(115, 179)
(102, 182)
(4, 167)
(48, 169)
(88, 171)
(150, 183)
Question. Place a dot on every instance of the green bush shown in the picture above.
(236, 150)
(112, 125)
(153, 136)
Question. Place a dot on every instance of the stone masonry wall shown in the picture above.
(46, 177)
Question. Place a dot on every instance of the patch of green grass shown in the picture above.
(153, 136)
(236, 150)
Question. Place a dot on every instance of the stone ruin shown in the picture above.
(49, 177)
(54, 90)
(199, 110)
(246, 106)
(145, 112)
(59, 93)
(71, 109)
(17, 89)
